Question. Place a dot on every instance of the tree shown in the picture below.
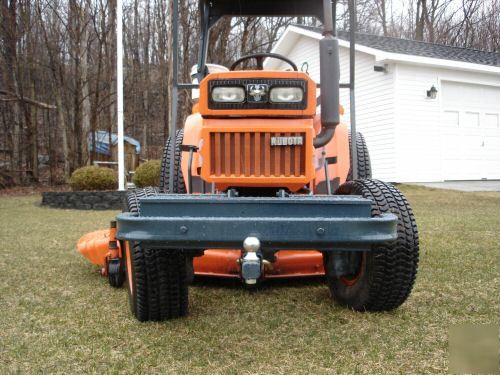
(58, 60)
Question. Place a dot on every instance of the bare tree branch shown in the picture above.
(14, 97)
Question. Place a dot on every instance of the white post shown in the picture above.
(119, 94)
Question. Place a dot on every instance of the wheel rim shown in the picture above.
(129, 267)
(351, 280)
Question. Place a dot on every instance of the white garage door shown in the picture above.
(471, 131)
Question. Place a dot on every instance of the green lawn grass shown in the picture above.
(58, 315)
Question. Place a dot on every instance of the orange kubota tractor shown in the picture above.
(260, 184)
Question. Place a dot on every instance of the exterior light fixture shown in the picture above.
(432, 93)
(380, 67)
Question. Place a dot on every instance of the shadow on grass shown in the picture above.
(230, 283)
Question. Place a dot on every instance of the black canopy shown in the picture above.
(261, 8)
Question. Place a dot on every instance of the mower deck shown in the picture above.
(322, 223)
(217, 263)
(224, 263)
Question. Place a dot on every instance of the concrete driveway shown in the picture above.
(486, 185)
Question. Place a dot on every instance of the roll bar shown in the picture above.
(212, 10)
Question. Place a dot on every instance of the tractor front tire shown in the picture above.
(157, 279)
(385, 275)
(364, 163)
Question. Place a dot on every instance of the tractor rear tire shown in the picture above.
(364, 163)
(157, 279)
(133, 197)
(386, 274)
(172, 153)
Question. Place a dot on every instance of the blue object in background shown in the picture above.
(102, 142)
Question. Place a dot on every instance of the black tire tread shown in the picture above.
(364, 163)
(395, 264)
(134, 196)
(172, 153)
(161, 288)
(116, 279)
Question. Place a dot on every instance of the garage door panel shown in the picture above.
(452, 149)
(490, 97)
(451, 118)
(461, 170)
(492, 148)
(471, 131)
(470, 120)
(472, 147)
(491, 121)
(467, 95)
(493, 168)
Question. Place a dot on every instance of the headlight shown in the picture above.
(286, 95)
(228, 94)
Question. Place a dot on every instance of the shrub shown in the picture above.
(148, 174)
(93, 178)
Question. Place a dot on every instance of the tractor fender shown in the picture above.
(338, 147)
(192, 137)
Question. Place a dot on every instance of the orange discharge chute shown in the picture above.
(218, 263)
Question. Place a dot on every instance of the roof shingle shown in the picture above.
(419, 48)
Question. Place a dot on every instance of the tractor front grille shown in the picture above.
(250, 154)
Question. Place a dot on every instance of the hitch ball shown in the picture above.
(251, 244)
(251, 261)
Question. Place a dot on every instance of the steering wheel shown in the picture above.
(260, 60)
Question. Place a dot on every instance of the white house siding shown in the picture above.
(303, 50)
(374, 111)
(374, 100)
(422, 133)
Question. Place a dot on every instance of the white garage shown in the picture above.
(413, 134)
(471, 130)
